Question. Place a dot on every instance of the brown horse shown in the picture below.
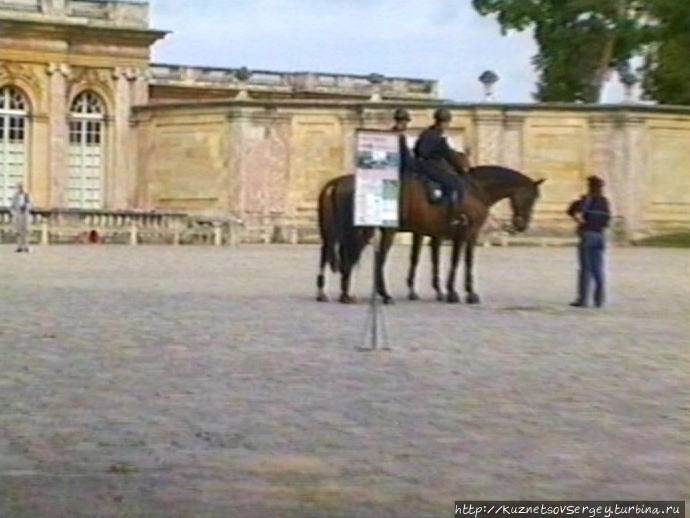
(484, 177)
(342, 243)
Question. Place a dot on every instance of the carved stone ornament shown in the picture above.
(128, 73)
(98, 79)
(22, 75)
(59, 68)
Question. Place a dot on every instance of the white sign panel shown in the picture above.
(377, 179)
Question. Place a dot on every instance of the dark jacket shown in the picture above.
(594, 209)
(406, 159)
(432, 145)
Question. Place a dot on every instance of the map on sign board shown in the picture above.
(377, 179)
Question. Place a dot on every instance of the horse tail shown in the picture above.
(327, 227)
(350, 239)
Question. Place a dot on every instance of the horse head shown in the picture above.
(522, 204)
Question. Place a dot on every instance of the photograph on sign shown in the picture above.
(377, 179)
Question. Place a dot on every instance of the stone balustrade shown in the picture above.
(124, 13)
(65, 226)
(29, 6)
(300, 82)
(133, 228)
(121, 12)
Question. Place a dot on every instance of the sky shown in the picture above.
(432, 39)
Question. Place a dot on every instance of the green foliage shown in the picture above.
(679, 240)
(581, 41)
(666, 72)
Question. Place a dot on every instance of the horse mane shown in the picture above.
(496, 176)
(486, 179)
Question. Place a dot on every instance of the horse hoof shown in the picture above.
(453, 298)
(473, 298)
(347, 299)
(440, 297)
(388, 301)
(322, 298)
(413, 296)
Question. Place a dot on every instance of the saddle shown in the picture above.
(435, 193)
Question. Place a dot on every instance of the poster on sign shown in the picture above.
(377, 179)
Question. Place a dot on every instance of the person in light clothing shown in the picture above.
(21, 216)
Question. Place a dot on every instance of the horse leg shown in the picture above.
(385, 244)
(345, 274)
(435, 246)
(321, 278)
(453, 296)
(417, 240)
(472, 297)
(345, 297)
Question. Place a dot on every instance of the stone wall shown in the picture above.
(265, 161)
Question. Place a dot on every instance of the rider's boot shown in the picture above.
(456, 220)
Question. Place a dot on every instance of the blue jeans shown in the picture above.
(591, 258)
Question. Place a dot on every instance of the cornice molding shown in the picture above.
(81, 32)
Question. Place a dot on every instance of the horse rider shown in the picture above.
(440, 162)
(402, 119)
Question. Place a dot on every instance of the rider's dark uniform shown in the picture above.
(406, 159)
(440, 162)
(402, 119)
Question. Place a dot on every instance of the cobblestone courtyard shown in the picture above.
(207, 382)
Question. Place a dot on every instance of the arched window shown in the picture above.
(86, 157)
(14, 114)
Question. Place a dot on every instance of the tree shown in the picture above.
(580, 41)
(666, 71)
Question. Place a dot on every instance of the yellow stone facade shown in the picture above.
(259, 145)
(265, 161)
(54, 50)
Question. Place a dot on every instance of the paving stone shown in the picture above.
(155, 381)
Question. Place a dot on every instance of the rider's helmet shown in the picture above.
(401, 115)
(443, 115)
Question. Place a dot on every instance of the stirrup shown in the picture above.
(460, 221)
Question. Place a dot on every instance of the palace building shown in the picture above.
(90, 125)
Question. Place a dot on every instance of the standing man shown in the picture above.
(440, 162)
(21, 215)
(591, 212)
